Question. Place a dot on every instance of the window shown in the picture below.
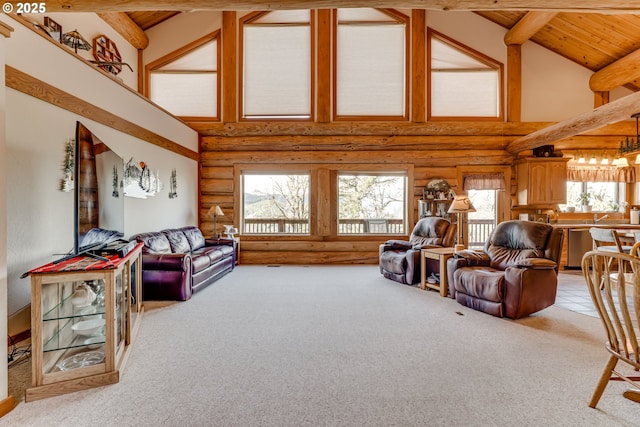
(462, 82)
(185, 82)
(482, 222)
(275, 203)
(604, 196)
(277, 65)
(371, 203)
(371, 63)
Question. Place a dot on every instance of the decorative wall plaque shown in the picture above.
(54, 29)
(107, 55)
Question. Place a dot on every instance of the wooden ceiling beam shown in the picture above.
(526, 27)
(124, 25)
(629, 6)
(624, 70)
(616, 111)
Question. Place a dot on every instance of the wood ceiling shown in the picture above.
(146, 20)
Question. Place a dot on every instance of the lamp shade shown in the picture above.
(461, 204)
(74, 40)
(215, 211)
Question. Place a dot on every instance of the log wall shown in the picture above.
(222, 157)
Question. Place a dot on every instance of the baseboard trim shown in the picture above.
(7, 406)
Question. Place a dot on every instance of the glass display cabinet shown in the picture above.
(83, 322)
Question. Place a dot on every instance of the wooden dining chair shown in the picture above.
(607, 239)
(618, 304)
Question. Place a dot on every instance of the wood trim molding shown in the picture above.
(229, 74)
(418, 65)
(7, 405)
(27, 84)
(629, 6)
(514, 82)
(323, 99)
(5, 30)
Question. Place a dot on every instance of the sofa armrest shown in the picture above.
(395, 245)
(473, 258)
(217, 241)
(166, 262)
(535, 263)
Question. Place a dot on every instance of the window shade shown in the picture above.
(277, 70)
(371, 70)
(601, 174)
(489, 181)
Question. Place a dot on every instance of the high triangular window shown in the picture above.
(462, 82)
(185, 82)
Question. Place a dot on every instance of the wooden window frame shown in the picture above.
(400, 17)
(479, 56)
(387, 171)
(248, 19)
(323, 197)
(178, 53)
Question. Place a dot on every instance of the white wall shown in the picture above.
(4, 383)
(89, 25)
(39, 215)
(178, 31)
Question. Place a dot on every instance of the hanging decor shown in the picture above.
(139, 181)
(53, 28)
(116, 187)
(66, 183)
(107, 56)
(173, 185)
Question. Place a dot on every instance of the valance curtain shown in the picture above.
(486, 181)
(601, 174)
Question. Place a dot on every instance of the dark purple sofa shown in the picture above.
(178, 262)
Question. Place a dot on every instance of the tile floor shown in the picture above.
(573, 293)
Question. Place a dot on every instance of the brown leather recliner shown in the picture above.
(400, 259)
(515, 275)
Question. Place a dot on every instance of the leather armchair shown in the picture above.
(515, 275)
(399, 260)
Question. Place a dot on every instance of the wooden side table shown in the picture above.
(441, 255)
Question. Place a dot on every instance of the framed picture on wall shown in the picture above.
(55, 29)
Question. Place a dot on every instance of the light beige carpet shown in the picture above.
(342, 346)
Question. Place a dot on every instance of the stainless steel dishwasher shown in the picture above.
(578, 243)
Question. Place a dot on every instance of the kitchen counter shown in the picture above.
(617, 226)
(577, 239)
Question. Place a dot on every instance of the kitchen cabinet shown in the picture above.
(542, 181)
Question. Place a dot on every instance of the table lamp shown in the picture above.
(215, 211)
(460, 206)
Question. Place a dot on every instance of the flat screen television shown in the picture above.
(98, 196)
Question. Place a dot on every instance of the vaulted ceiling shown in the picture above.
(595, 34)
(601, 35)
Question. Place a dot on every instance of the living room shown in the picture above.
(49, 89)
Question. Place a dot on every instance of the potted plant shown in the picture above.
(585, 200)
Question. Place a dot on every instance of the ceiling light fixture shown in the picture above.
(629, 145)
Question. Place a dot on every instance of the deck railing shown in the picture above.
(479, 229)
(301, 226)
